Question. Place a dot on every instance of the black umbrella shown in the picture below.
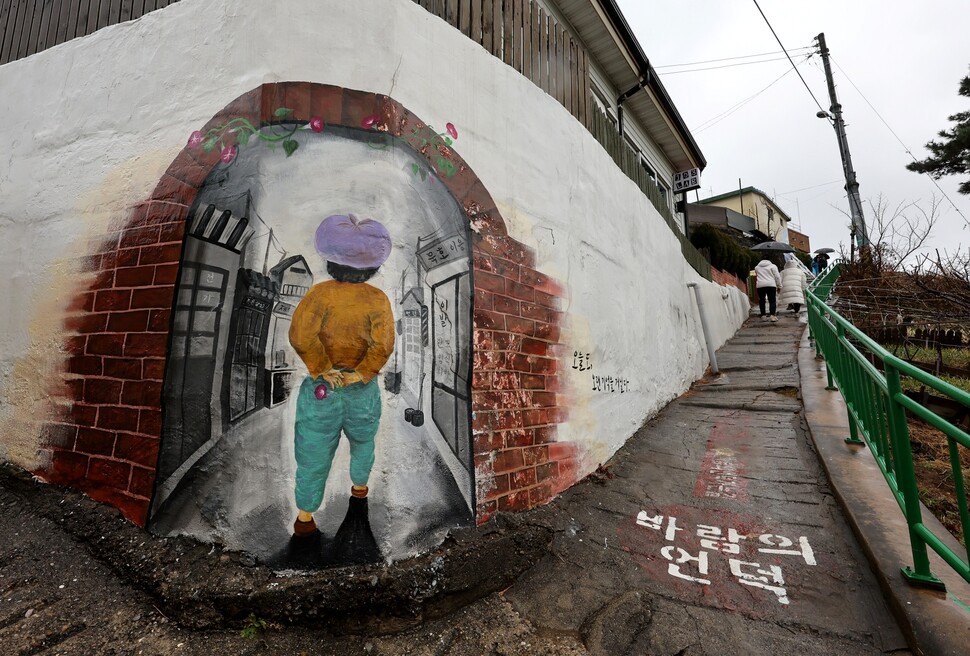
(773, 247)
(825, 250)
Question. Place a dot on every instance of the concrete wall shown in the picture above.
(581, 325)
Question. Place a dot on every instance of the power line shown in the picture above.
(823, 184)
(713, 68)
(711, 122)
(712, 61)
(807, 88)
(905, 147)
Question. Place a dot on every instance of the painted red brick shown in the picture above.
(483, 299)
(490, 282)
(172, 189)
(535, 455)
(149, 344)
(508, 460)
(100, 391)
(514, 502)
(94, 442)
(505, 305)
(150, 422)
(547, 331)
(187, 170)
(127, 322)
(153, 369)
(76, 344)
(137, 449)
(112, 299)
(533, 382)
(160, 254)
(500, 486)
(82, 414)
(152, 297)
(544, 365)
(121, 419)
(522, 478)
(166, 274)
(142, 481)
(82, 303)
(541, 494)
(138, 276)
(85, 365)
(86, 323)
(508, 270)
(520, 291)
(141, 393)
(109, 472)
(110, 344)
(159, 320)
(124, 368)
(67, 467)
(547, 300)
(139, 237)
(520, 325)
(103, 280)
(547, 471)
(326, 101)
(539, 313)
(486, 511)
(59, 435)
(519, 438)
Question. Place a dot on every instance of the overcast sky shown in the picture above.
(906, 57)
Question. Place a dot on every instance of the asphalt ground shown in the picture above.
(712, 531)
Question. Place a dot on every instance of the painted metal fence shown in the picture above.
(868, 377)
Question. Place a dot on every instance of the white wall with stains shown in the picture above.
(91, 125)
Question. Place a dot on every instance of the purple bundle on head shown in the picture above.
(359, 243)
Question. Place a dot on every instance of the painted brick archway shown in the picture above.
(107, 442)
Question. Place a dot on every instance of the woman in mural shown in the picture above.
(343, 330)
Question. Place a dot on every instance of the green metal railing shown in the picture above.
(877, 410)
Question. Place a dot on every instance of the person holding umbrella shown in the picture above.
(769, 279)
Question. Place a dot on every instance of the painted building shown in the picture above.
(769, 218)
(528, 312)
(799, 240)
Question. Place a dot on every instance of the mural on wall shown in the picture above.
(180, 391)
(272, 404)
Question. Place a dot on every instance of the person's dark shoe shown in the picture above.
(303, 529)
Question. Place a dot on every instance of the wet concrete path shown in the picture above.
(713, 531)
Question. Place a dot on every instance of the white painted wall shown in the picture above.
(91, 125)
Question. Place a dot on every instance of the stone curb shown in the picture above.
(934, 623)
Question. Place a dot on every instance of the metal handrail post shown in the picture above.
(920, 574)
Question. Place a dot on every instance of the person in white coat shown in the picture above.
(793, 283)
(768, 282)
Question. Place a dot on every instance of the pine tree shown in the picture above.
(951, 156)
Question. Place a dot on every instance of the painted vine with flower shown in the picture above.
(230, 136)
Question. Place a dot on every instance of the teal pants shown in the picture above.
(355, 410)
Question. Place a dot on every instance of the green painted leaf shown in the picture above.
(415, 168)
(243, 137)
(209, 145)
(448, 141)
(282, 112)
(290, 147)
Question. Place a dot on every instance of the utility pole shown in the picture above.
(859, 236)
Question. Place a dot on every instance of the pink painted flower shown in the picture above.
(228, 154)
(370, 121)
(316, 124)
(452, 130)
(195, 139)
